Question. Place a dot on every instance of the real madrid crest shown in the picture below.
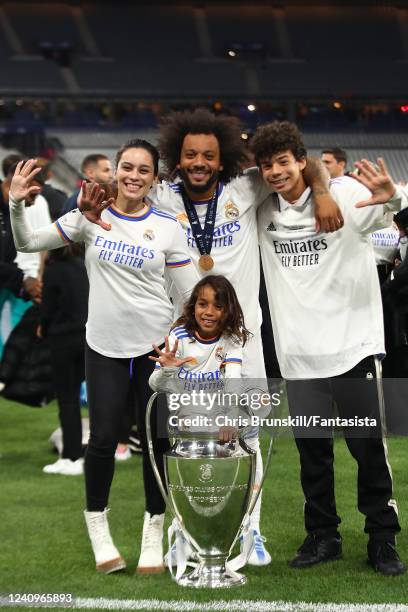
(149, 235)
(219, 353)
(231, 211)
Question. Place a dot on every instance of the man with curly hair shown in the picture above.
(216, 205)
(325, 304)
(204, 152)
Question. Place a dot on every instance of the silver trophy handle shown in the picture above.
(162, 488)
(265, 468)
(149, 407)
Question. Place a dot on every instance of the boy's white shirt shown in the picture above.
(323, 289)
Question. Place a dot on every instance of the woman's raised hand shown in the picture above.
(92, 203)
(21, 186)
(167, 358)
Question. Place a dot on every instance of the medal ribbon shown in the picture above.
(203, 237)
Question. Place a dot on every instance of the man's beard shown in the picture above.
(198, 189)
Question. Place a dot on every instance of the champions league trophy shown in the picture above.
(209, 493)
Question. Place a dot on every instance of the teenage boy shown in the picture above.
(325, 305)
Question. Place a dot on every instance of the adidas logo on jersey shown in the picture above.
(271, 227)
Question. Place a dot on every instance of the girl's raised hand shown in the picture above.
(167, 358)
(23, 175)
(92, 203)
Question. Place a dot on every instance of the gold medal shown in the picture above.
(206, 262)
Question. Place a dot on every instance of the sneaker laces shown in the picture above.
(100, 528)
(152, 532)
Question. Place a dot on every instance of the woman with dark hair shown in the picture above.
(128, 307)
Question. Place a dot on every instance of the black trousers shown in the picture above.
(68, 368)
(355, 393)
(113, 385)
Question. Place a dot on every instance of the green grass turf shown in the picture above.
(44, 547)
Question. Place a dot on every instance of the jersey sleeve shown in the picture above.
(48, 237)
(179, 265)
(252, 186)
(38, 216)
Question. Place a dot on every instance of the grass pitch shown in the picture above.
(44, 546)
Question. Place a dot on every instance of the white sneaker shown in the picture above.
(122, 453)
(151, 555)
(259, 554)
(65, 467)
(107, 556)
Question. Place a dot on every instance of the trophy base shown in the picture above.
(212, 576)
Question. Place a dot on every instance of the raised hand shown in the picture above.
(167, 358)
(377, 180)
(92, 203)
(24, 173)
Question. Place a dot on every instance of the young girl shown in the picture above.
(204, 353)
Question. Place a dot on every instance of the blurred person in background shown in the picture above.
(335, 160)
(55, 197)
(95, 168)
(16, 279)
(395, 299)
(63, 315)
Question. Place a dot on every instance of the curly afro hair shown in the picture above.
(227, 130)
(276, 137)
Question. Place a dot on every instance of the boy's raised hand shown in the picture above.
(377, 180)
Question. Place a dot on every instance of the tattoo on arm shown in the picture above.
(320, 190)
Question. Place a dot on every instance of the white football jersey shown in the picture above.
(128, 305)
(323, 289)
(235, 247)
(386, 245)
(212, 362)
(215, 370)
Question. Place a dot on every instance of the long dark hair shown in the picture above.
(233, 325)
